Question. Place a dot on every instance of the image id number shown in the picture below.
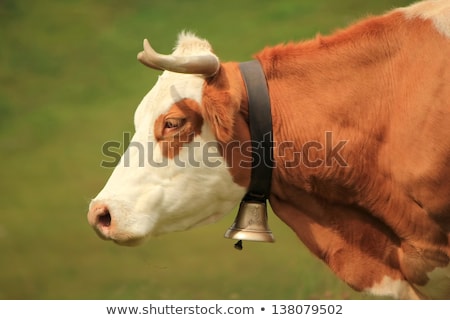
(307, 309)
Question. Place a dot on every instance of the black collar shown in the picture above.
(261, 135)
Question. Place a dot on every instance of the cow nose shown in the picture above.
(99, 218)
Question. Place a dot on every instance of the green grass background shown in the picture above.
(69, 81)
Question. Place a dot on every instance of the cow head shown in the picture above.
(174, 174)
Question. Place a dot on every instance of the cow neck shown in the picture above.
(261, 135)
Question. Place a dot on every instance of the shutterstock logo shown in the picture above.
(289, 154)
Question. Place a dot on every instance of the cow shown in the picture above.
(361, 147)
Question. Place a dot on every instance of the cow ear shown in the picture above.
(220, 106)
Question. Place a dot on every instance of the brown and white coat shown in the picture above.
(378, 213)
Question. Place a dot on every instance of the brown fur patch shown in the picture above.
(225, 108)
(178, 127)
(221, 102)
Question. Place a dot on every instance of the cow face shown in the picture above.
(173, 176)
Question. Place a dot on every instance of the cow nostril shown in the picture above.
(104, 219)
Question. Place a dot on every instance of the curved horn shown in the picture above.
(207, 64)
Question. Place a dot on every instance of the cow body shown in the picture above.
(361, 124)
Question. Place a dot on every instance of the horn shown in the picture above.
(251, 223)
(207, 64)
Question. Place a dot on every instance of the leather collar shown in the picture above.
(260, 123)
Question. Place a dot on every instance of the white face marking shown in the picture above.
(166, 195)
(436, 10)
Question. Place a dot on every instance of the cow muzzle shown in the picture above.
(99, 218)
(102, 220)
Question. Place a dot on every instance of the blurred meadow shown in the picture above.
(69, 82)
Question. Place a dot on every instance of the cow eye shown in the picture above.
(173, 123)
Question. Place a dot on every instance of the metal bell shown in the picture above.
(251, 223)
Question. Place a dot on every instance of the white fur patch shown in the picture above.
(189, 43)
(398, 289)
(436, 10)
